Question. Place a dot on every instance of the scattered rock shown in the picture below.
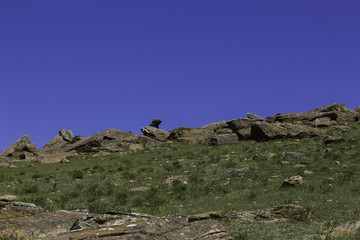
(292, 156)
(266, 155)
(183, 179)
(155, 133)
(346, 228)
(66, 134)
(223, 139)
(155, 123)
(239, 172)
(332, 139)
(308, 172)
(265, 131)
(285, 163)
(293, 181)
(300, 165)
(139, 189)
(254, 117)
(64, 160)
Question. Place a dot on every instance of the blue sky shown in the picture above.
(90, 65)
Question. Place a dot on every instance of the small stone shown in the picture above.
(139, 189)
(337, 163)
(239, 172)
(332, 139)
(64, 160)
(300, 165)
(293, 181)
(285, 163)
(308, 172)
(292, 156)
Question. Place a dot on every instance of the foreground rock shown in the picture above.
(293, 181)
(266, 131)
(346, 228)
(27, 221)
(223, 139)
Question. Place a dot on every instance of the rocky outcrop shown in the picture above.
(215, 125)
(154, 132)
(241, 127)
(191, 134)
(265, 131)
(21, 145)
(56, 144)
(109, 141)
(336, 112)
(254, 117)
(223, 139)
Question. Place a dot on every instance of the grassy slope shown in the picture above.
(101, 183)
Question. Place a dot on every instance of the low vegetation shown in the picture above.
(330, 192)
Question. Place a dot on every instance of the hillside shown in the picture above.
(289, 176)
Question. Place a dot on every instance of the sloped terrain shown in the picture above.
(298, 180)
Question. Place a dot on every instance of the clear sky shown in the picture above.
(89, 65)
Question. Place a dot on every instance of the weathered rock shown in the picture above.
(239, 172)
(322, 122)
(265, 131)
(292, 156)
(64, 161)
(155, 123)
(254, 117)
(156, 133)
(43, 225)
(20, 145)
(223, 131)
(293, 181)
(17, 209)
(55, 145)
(54, 157)
(215, 125)
(66, 134)
(223, 139)
(346, 228)
(8, 198)
(336, 112)
(332, 139)
(191, 134)
(76, 138)
(135, 147)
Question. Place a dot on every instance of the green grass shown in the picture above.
(101, 183)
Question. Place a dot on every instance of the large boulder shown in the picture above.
(66, 134)
(191, 134)
(336, 112)
(156, 133)
(155, 123)
(241, 126)
(265, 131)
(22, 144)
